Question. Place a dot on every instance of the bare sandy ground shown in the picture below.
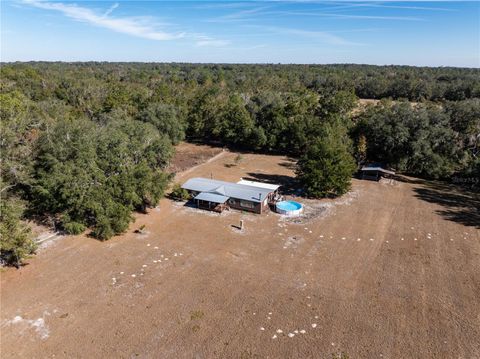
(392, 270)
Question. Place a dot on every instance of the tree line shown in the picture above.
(85, 144)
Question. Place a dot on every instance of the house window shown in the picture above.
(246, 204)
(231, 201)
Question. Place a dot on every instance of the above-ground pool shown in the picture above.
(290, 208)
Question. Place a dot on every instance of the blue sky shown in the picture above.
(445, 33)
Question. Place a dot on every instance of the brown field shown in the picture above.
(391, 270)
(188, 155)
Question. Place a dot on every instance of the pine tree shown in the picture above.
(326, 168)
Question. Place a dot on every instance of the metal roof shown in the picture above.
(272, 187)
(380, 169)
(211, 197)
(228, 189)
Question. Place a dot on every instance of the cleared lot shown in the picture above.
(391, 270)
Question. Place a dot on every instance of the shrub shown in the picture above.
(74, 227)
(16, 243)
(179, 193)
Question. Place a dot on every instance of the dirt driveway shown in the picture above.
(391, 270)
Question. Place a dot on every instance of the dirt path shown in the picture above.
(194, 287)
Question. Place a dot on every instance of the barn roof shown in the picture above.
(227, 189)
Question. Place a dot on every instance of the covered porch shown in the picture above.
(211, 201)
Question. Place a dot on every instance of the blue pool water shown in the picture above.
(289, 205)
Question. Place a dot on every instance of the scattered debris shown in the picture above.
(293, 242)
(141, 230)
(37, 324)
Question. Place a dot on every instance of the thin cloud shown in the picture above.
(110, 10)
(407, 7)
(204, 41)
(251, 14)
(345, 6)
(223, 5)
(348, 16)
(239, 16)
(323, 36)
(135, 26)
(213, 43)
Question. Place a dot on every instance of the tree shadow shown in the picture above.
(290, 185)
(291, 164)
(460, 205)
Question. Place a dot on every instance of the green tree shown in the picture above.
(15, 237)
(326, 168)
(361, 149)
(166, 118)
(236, 124)
(93, 176)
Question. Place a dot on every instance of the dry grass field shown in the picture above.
(391, 270)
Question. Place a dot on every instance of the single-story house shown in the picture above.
(374, 172)
(218, 195)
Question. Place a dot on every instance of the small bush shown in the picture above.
(74, 227)
(196, 314)
(103, 230)
(341, 355)
(179, 193)
(238, 159)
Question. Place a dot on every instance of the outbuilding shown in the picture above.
(374, 172)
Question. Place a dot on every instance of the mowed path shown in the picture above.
(195, 287)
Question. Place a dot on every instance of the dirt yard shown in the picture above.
(391, 270)
(188, 155)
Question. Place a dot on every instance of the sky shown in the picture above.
(428, 33)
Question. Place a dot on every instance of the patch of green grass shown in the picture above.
(341, 355)
(196, 314)
(195, 328)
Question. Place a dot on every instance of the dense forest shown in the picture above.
(85, 144)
